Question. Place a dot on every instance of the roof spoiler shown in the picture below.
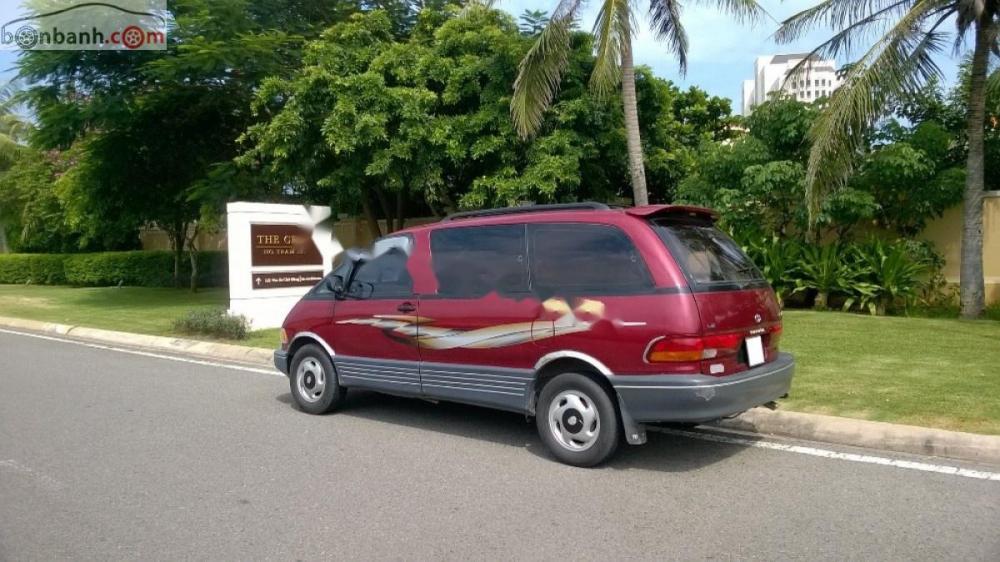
(659, 211)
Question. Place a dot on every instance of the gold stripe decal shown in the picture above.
(503, 335)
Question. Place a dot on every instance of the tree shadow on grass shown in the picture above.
(664, 452)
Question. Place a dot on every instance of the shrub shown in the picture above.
(826, 270)
(889, 276)
(138, 269)
(215, 323)
(993, 312)
(778, 260)
(34, 269)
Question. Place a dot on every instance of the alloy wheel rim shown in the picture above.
(311, 380)
(574, 420)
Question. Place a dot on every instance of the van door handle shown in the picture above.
(406, 308)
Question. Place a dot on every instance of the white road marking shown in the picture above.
(273, 372)
(827, 454)
(759, 444)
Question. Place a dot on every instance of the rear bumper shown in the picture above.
(281, 361)
(701, 398)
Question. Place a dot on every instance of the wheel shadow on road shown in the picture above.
(663, 452)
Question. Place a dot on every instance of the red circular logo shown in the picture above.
(132, 37)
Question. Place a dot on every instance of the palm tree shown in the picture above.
(14, 128)
(541, 69)
(909, 33)
(14, 131)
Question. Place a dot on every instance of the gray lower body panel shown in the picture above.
(701, 398)
(395, 377)
(497, 387)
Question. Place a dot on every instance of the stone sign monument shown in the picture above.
(276, 254)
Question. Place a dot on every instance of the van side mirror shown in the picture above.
(356, 257)
(335, 285)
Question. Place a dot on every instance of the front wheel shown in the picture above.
(577, 420)
(313, 381)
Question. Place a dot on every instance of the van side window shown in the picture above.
(384, 277)
(585, 259)
(475, 261)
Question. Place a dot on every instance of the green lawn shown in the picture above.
(922, 371)
(128, 309)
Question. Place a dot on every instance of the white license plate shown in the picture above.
(755, 351)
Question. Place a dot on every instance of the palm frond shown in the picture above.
(541, 70)
(967, 13)
(665, 19)
(895, 65)
(745, 11)
(839, 14)
(10, 149)
(613, 31)
(867, 27)
(993, 83)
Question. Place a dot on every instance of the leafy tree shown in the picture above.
(33, 216)
(132, 165)
(541, 69)
(909, 183)
(783, 124)
(370, 119)
(909, 33)
(373, 120)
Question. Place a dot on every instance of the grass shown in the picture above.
(128, 309)
(931, 372)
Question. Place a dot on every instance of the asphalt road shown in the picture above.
(106, 455)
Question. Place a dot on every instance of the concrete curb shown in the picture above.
(809, 427)
(203, 349)
(869, 434)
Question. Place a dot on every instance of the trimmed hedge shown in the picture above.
(104, 269)
(39, 269)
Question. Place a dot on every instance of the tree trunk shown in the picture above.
(193, 254)
(400, 201)
(972, 283)
(373, 227)
(192, 245)
(177, 239)
(3, 238)
(386, 211)
(635, 162)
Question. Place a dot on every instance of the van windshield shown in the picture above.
(709, 258)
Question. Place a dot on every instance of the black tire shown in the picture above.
(320, 391)
(567, 434)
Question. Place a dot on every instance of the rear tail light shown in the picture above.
(673, 350)
(775, 332)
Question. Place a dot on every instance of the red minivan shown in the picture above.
(594, 320)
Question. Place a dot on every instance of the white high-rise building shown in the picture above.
(816, 79)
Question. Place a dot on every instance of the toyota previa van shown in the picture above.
(593, 320)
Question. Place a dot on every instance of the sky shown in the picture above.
(721, 53)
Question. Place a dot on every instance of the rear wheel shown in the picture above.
(313, 381)
(577, 420)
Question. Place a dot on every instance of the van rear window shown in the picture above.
(709, 258)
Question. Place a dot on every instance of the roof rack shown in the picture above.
(586, 206)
